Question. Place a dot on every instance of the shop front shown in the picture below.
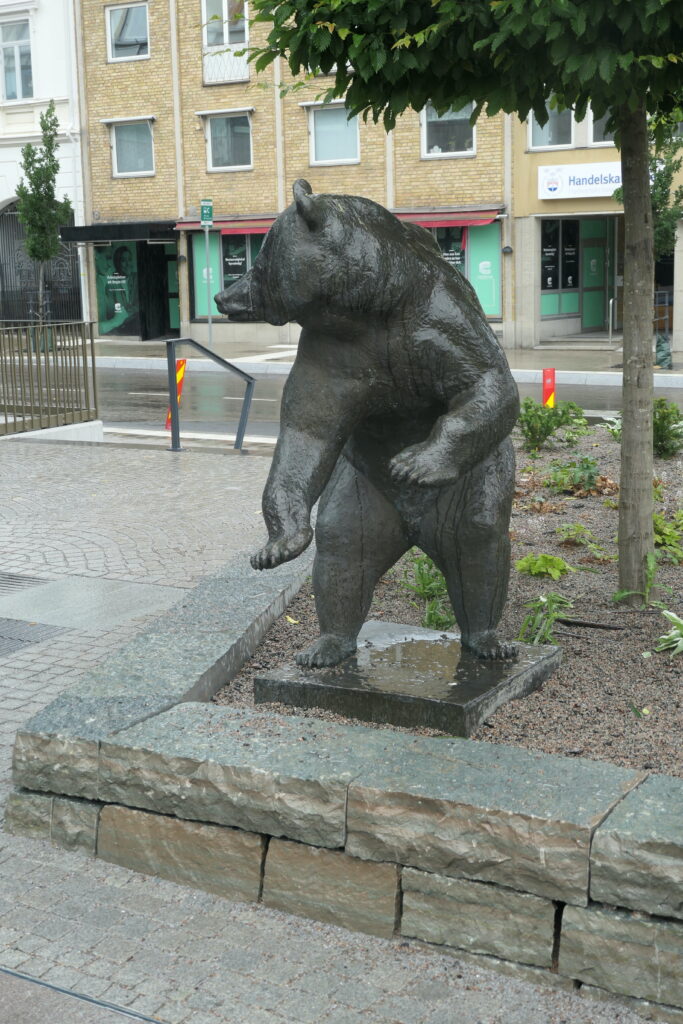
(135, 292)
(580, 272)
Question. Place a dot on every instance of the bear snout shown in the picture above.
(236, 301)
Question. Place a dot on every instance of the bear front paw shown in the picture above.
(419, 464)
(282, 549)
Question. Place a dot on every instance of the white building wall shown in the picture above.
(53, 61)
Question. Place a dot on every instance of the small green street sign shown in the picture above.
(206, 207)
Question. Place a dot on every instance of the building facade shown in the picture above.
(175, 115)
(38, 61)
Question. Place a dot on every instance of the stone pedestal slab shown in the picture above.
(411, 677)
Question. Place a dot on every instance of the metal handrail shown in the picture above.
(171, 344)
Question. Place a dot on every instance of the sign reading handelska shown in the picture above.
(206, 208)
(579, 181)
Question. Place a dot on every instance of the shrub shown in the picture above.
(669, 537)
(538, 422)
(667, 429)
(581, 475)
(429, 585)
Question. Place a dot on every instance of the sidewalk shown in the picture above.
(96, 541)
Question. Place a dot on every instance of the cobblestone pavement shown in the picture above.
(170, 953)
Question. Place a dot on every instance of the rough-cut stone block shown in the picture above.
(28, 814)
(210, 857)
(631, 954)
(328, 885)
(637, 853)
(484, 811)
(478, 917)
(55, 764)
(278, 775)
(74, 824)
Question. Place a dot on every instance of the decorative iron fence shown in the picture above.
(47, 375)
(19, 277)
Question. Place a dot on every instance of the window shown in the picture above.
(16, 60)
(229, 142)
(225, 31)
(559, 267)
(239, 253)
(127, 32)
(599, 134)
(557, 131)
(334, 138)
(132, 147)
(450, 134)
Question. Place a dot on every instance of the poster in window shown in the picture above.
(570, 254)
(116, 276)
(550, 252)
(235, 263)
(451, 243)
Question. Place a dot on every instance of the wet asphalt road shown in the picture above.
(133, 399)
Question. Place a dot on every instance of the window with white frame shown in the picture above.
(449, 134)
(557, 131)
(229, 141)
(132, 147)
(599, 134)
(127, 32)
(17, 74)
(334, 138)
(225, 35)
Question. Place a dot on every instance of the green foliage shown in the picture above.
(427, 582)
(646, 592)
(613, 425)
(538, 422)
(580, 536)
(667, 428)
(568, 477)
(538, 625)
(543, 565)
(669, 537)
(673, 640)
(39, 210)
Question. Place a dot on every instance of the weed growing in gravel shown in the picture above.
(429, 585)
(578, 535)
(669, 537)
(646, 593)
(673, 640)
(539, 422)
(537, 627)
(543, 565)
(574, 476)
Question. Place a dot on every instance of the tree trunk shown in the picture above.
(41, 292)
(636, 537)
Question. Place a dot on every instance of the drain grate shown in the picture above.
(15, 634)
(10, 582)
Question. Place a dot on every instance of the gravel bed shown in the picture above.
(607, 701)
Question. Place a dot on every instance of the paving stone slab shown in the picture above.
(477, 917)
(328, 885)
(637, 853)
(484, 811)
(280, 775)
(411, 677)
(630, 954)
(209, 857)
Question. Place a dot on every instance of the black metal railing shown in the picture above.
(171, 345)
(47, 375)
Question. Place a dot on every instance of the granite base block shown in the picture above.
(477, 917)
(411, 677)
(28, 814)
(209, 857)
(632, 955)
(328, 885)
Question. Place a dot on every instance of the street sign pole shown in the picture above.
(206, 206)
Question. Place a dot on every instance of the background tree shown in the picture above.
(621, 56)
(39, 210)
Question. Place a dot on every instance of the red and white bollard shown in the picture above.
(549, 388)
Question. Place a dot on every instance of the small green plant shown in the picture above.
(427, 582)
(667, 428)
(577, 475)
(578, 535)
(646, 593)
(658, 490)
(543, 565)
(673, 640)
(538, 625)
(669, 537)
(611, 503)
(539, 422)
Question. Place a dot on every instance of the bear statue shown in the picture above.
(396, 415)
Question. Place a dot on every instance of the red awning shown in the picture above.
(450, 220)
(231, 226)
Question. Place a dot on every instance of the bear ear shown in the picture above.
(306, 205)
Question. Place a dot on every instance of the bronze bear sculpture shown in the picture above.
(396, 415)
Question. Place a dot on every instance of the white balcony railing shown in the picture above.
(223, 65)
